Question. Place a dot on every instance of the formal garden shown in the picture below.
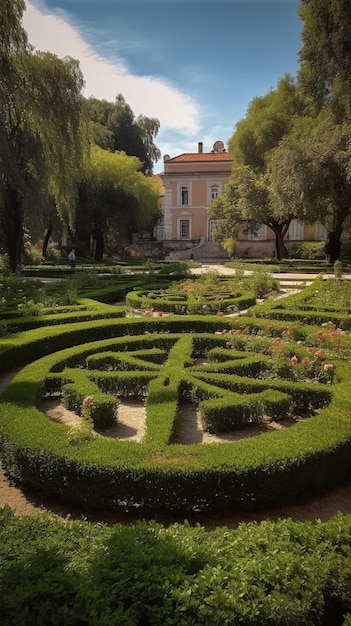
(260, 379)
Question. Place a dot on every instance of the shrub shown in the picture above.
(314, 250)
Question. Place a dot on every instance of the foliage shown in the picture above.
(113, 127)
(309, 173)
(247, 201)
(325, 55)
(83, 432)
(202, 296)
(31, 254)
(114, 196)
(42, 142)
(313, 250)
(169, 367)
(261, 283)
(275, 573)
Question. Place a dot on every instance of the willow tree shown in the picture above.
(115, 198)
(42, 143)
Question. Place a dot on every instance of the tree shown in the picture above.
(113, 127)
(246, 200)
(267, 120)
(114, 197)
(325, 57)
(309, 172)
(41, 139)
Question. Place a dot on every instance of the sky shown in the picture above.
(195, 65)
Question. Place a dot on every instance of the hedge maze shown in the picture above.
(238, 371)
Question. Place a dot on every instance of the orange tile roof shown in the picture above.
(200, 157)
(158, 182)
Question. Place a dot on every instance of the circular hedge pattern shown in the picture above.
(234, 385)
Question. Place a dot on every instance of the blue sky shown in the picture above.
(193, 64)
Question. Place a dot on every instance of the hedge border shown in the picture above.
(312, 456)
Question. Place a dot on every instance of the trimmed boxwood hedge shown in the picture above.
(302, 308)
(157, 474)
(178, 303)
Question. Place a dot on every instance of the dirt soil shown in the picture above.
(131, 426)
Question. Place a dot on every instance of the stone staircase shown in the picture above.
(205, 251)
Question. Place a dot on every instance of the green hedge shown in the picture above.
(158, 474)
(24, 347)
(78, 573)
(178, 303)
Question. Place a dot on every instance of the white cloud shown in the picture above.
(146, 95)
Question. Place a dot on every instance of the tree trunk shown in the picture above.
(280, 247)
(13, 228)
(46, 241)
(99, 244)
(333, 246)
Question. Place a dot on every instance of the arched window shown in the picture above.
(214, 192)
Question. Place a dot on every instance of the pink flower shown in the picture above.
(88, 402)
(305, 361)
(219, 313)
(239, 331)
(318, 353)
(159, 313)
(294, 360)
(229, 344)
(328, 367)
(310, 350)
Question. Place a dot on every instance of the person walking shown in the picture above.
(72, 258)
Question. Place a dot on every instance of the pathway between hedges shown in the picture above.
(322, 507)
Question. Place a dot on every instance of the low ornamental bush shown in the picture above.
(273, 573)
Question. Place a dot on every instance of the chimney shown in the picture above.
(200, 147)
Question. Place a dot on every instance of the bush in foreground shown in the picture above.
(77, 573)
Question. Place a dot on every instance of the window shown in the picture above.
(211, 226)
(296, 231)
(258, 235)
(214, 190)
(184, 195)
(184, 229)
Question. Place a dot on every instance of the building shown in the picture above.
(190, 182)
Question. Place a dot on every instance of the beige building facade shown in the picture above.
(190, 182)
